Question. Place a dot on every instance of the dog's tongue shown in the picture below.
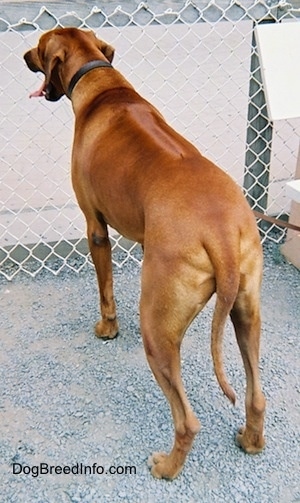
(40, 92)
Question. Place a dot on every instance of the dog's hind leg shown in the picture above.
(164, 359)
(245, 316)
(168, 305)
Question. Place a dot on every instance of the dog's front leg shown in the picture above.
(101, 254)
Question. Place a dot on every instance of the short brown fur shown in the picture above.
(131, 170)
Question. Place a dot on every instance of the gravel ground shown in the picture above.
(68, 398)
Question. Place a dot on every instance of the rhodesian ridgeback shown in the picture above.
(132, 171)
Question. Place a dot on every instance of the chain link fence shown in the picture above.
(192, 60)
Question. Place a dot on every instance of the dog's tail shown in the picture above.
(227, 274)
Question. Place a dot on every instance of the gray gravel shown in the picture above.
(68, 398)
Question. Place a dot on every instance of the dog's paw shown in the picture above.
(107, 329)
(161, 466)
(156, 463)
(252, 443)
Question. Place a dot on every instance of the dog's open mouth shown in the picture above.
(39, 92)
(47, 91)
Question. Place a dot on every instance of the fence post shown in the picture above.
(259, 138)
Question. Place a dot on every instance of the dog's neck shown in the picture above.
(82, 95)
(85, 69)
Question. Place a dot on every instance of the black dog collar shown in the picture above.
(85, 69)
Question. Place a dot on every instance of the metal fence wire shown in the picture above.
(194, 61)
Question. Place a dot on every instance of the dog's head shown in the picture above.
(58, 54)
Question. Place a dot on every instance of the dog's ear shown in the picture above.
(106, 49)
(51, 55)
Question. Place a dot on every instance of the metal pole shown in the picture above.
(259, 138)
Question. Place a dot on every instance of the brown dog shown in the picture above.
(131, 170)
